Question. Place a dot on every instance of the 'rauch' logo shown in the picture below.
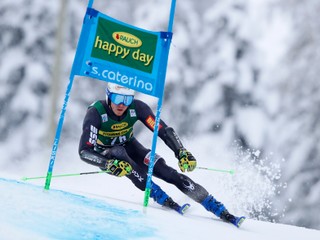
(127, 39)
(119, 126)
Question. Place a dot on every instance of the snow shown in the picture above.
(30, 212)
(100, 206)
(253, 123)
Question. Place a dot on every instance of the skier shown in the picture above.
(107, 141)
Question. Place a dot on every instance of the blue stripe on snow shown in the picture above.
(57, 214)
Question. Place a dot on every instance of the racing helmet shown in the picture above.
(118, 94)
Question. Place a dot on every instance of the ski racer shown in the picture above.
(108, 141)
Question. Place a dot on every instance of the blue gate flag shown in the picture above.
(114, 51)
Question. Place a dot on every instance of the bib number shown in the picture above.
(120, 139)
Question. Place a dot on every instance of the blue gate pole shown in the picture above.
(90, 3)
(162, 77)
(58, 134)
(60, 123)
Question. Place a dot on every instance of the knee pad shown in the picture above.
(146, 159)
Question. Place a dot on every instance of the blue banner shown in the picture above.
(117, 52)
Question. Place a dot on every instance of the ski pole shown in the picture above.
(63, 175)
(217, 170)
(97, 172)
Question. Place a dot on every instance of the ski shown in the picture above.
(169, 203)
(238, 221)
(183, 208)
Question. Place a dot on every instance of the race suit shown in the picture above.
(107, 136)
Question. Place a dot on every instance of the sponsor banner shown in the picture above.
(113, 51)
(124, 45)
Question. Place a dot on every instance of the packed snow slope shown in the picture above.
(28, 212)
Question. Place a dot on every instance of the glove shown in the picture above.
(186, 160)
(118, 168)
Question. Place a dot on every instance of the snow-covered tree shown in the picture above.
(296, 133)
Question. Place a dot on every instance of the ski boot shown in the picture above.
(212, 205)
(163, 199)
(218, 209)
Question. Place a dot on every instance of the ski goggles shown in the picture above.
(120, 99)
